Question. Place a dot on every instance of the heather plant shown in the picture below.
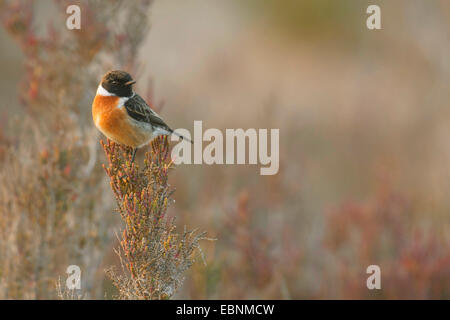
(52, 209)
(415, 263)
(154, 257)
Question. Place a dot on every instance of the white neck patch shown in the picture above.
(103, 92)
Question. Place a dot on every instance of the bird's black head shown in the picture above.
(119, 83)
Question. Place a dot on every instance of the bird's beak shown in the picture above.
(130, 82)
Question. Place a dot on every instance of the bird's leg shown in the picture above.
(134, 155)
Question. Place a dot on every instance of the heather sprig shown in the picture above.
(153, 255)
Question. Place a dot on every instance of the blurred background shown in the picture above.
(364, 125)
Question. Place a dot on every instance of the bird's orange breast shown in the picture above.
(114, 123)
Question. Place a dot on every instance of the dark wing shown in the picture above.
(139, 110)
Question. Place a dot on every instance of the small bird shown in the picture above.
(123, 116)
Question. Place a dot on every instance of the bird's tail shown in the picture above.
(167, 131)
(182, 137)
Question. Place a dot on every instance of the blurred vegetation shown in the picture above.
(319, 19)
(51, 207)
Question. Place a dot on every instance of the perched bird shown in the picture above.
(123, 116)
